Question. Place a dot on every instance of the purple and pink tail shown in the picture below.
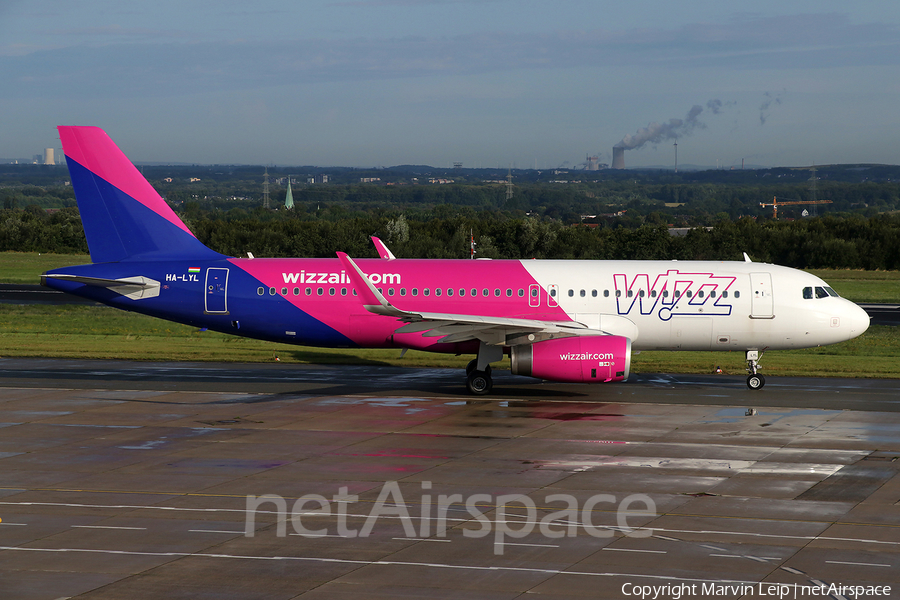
(124, 218)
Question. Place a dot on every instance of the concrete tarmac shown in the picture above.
(191, 480)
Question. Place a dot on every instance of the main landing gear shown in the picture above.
(478, 371)
(478, 382)
(755, 381)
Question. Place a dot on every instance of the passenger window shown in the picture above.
(485, 292)
(807, 293)
(508, 293)
(665, 293)
(296, 291)
(497, 292)
(653, 294)
(582, 293)
(630, 293)
(284, 291)
(641, 293)
(320, 291)
(425, 292)
(462, 292)
(712, 294)
(260, 291)
(593, 293)
(309, 291)
(474, 292)
(521, 293)
(606, 293)
(437, 291)
(701, 293)
(690, 294)
(618, 293)
(272, 291)
(534, 293)
(725, 294)
(449, 291)
(402, 291)
(737, 294)
(571, 293)
(344, 291)
(415, 291)
(390, 292)
(331, 291)
(553, 292)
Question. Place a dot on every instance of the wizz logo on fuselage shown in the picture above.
(673, 293)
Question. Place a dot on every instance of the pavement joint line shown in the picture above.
(108, 527)
(634, 550)
(842, 562)
(478, 505)
(378, 562)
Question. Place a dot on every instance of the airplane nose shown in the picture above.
(856, 320)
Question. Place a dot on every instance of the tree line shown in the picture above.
(849, 241)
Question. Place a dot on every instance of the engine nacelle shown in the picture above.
(581, 359)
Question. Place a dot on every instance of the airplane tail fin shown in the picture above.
(124, 218)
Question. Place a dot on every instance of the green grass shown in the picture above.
(74, 331)
(858, 286)
(879, 287)
(26, 267)
(101, 332)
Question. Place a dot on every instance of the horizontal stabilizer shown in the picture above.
(131, 287)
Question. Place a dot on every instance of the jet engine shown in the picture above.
(581, 359)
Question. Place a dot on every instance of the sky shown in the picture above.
(488, 83)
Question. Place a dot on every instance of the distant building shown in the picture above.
(289, 199)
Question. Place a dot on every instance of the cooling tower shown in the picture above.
(48, 157)
(618, 157)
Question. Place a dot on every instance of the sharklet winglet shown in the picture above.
(373, 300)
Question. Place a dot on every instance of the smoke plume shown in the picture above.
(655, 133)
(770, 99)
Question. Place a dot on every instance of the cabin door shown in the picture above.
(216, 291)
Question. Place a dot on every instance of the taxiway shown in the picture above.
(133, 480)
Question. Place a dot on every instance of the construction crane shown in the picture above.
(775, 204)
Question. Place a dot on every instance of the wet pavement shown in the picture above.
(164, 480)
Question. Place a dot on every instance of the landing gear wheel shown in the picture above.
(473, 364)
(479, 383)
(756, 382)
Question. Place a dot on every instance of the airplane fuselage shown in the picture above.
(659, 305)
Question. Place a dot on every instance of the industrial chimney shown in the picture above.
(618, 157)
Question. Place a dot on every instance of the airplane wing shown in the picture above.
(383, 251)
(504, 331)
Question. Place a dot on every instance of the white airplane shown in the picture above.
(570, 321)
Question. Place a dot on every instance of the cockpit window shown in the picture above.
(807, 293)
(821, 293)
(831, 292)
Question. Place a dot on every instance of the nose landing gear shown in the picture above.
(755, 381)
